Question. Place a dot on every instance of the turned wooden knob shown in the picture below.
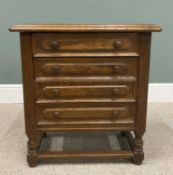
(56, 115)
(115, 114)
(55, 92)
(116, 91)
(117, 69)
(55, 69)
(118, 44)
(54, 45)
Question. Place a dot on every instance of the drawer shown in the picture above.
(51, 43)
(50, 91)
(117, 114)
(84, 66)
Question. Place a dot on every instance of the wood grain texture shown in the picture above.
(85, 28)
(84, 42)
(85, 78)
(142, 95)
(29, 97)
(86, 54)
(87, 154)
(56, 67)
(86, 127)
(119, 91)
(116, 114)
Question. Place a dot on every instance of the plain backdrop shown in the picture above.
(86, 11)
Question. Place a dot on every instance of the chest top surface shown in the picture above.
(85, 28)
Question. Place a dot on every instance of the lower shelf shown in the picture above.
(96, 145)
(86, 127)
(84, 154)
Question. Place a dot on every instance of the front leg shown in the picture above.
(138, 149)
(32, 152)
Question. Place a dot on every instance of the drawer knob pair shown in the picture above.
(55, 45)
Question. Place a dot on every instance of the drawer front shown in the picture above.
(79, 42)
(95, 66)
(119, 114)
(53, 92)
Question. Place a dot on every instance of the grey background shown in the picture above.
(86, 11)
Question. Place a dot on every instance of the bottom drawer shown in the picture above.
(115, 114)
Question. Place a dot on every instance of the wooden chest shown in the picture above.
(85, 78)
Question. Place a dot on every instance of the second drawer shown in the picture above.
(57, 67)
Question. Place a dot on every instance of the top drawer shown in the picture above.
(54, 43)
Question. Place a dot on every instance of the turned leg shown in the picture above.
(32, 153)
(138, 149)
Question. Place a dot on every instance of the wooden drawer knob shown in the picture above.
(115, 114)
(118, 44)
(55, 92)
(54, 45)
(56, 115)
(117, 69)
(55, 69)
(121, 69)
(116, 91)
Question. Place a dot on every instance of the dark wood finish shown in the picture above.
(88, 42)
(55, 115)
(84, 154)
(143, 64)
(109, 126)
(54, 67)
(86, 28)
(86, 54)
(29, 98)
(120, 91)
(85, 78)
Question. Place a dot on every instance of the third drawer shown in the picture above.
(50, 91)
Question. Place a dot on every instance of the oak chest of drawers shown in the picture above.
(85, 78)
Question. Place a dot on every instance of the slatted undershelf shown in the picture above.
(95, 145)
